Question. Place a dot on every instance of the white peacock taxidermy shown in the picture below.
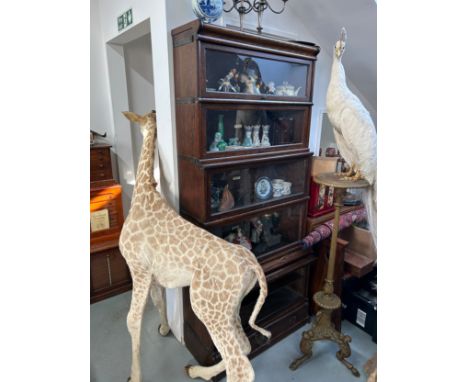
(354, 131)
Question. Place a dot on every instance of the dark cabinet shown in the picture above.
(109, 273)
(100, 162)
(243, 110)
(108, 269)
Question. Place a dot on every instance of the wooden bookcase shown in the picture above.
(203, 54)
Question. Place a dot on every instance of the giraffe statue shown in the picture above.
(163, 250)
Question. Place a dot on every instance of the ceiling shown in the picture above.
(326, 17)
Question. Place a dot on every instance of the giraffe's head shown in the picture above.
(340, 44)
(147, 122)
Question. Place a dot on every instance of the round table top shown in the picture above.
(336, 180)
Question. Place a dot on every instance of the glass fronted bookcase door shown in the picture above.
(238, 73)
(230, 130)
(265, 233)
(236, 188)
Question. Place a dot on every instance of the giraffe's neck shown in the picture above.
(145, 178)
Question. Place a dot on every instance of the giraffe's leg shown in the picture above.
(158, 295)
(141, 285)
(221, 323)
(242, 337)
(228, 344)
(238, 366)
(206, 373)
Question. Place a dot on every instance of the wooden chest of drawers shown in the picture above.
(109, 271)
(106, 211)
(100, 163)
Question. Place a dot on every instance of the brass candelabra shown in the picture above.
(259, 6)
(323, 328)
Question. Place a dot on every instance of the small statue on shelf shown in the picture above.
(237, 237)
(265, 138)
(256, 231)
(218, 138)
(225, 84)
(248, 136)
(269, 237)
(233, 142)
(256, 136)
(250, 77)
(227, 200)
(219, 144)
(250, 82)
(271, 88)
(242, 239)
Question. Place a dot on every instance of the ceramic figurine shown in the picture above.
(242, 239)
(286, 188)
(277, 187)
(269, 237)
(227, 200)
(287, 90)
(217, 139)
(250, 76)
(256, 136)
(250, 83)
(248, 136)
(271, 87)
(265, 138)
(233, 142)
(225, 84)
(231, 237)
(221, 144)
(256, 231)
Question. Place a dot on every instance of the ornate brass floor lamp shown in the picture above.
(323, 328)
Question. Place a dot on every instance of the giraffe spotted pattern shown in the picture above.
(163, 250)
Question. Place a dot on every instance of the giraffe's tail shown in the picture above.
(261, 299)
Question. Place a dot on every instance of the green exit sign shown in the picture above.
(124, 20)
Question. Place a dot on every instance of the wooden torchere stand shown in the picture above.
(323, 328)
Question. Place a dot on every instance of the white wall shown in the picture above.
(156, 12)
(100, 107)
(140, 85)
(161, 47)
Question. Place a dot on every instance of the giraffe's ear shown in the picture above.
(132, 116)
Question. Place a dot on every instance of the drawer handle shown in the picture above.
(101, 165)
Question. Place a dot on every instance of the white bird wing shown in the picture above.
(345, 151)
(360, 135)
